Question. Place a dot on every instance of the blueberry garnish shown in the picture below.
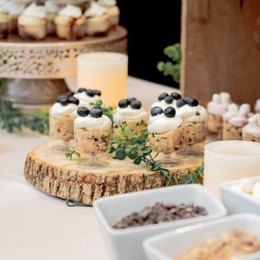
(176, 95)
(90, 92)
(96, 112)
(64, 101)
(169, 112)
(156, 111)
(123, 103)
(130, 99)
(135, 104)
(180, 103)
(97, 92)
(162, 96)
(191, 101)
(168, 99)
(83, 111)
(73, 100)
(80, 90)
(60, 97)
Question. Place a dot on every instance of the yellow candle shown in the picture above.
(104, 71)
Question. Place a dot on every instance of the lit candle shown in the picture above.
(104, 71)
(230, 160)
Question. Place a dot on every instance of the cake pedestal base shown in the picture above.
(60, 177)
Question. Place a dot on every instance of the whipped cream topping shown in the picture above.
(71, 10)
(219, 104)
(232, 112)
(163, 104)
(253, 128)
(51, 7)
(257, 105)
(13, 7)
(192, 114)
(107, 3)
(35, 11)
(129, 113)
(95, 9)
(84, 99)
(162, 124)
(242, 118)
(90, 123)
(57, 110)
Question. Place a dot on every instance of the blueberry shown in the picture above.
(180, 103)
(130, 99)
(191, 101)
(162, 96)
(156, 111)
(123, 103)
(176, 95)
(168, 99)
(135, 104)
(60, 97)
(64, 101)
(96, 112)
(97, 92)
(169, 112)
(90, 92)
(83, 111)
(73, 100)
(80, 90)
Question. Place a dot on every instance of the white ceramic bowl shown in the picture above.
(168, 245)
(238, 202)
(126, 244)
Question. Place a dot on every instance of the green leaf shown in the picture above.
(147, 165)
(120, 154)
(72, 148)
(128, 132)
(137, 160)
(157, 166)
(112, 149)
(187, 179)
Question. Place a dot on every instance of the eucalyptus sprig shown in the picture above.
(137, 149)
(70, 154)
(194, 176)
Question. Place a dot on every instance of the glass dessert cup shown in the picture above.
(194, 133)
(61, 128)
(214, 125)
(168, 144)
(92, 144)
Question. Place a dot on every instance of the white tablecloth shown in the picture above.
(37, 226)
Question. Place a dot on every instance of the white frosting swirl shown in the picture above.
(107, 3)
(219, 104)
(253, 127)
(71, 10)
(163, 104)
(84, 99)
(192, 114)
(162, 124)
(95, 10)
(232, 112)
(90, 123)
(51, 7)
(13, 7)
(257, 105)
(35, 11)
(129, 113)
(58, 110)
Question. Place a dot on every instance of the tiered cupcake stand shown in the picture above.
(36, 69)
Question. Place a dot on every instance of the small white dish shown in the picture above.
(126, 244)
(238, 202)
(168, 245)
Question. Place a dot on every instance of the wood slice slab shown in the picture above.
(54, 174)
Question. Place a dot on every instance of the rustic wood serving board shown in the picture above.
(54, 174)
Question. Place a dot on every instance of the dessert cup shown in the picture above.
(3, 25)
(251, 132)
(50, 25)
(215, 124)
(97, 25)
(69, 28)
(113, 14)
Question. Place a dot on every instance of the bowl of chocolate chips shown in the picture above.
(127, 220)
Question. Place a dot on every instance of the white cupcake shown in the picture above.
(112, 10)
(51, 9)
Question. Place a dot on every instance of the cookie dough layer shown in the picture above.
(194, 132)
(98, 25)
(249, 137)
(92, 142)
(62, 127)
(134, 124)
(214, 123)
(232, 132)
(167, 142)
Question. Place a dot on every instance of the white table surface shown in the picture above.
(37, 226)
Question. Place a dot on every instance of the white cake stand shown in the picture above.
(36, 70)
